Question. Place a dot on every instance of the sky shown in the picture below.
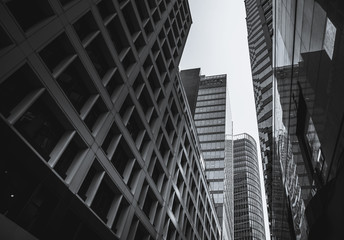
(217, 43)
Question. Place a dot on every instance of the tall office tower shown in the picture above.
(207, 100)
(260, 31)
(97, 141)
(309, 119)
(210, 117)
(248, 207)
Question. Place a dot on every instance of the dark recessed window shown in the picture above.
(95, 114)
(126, 108)
(16, 88)
(100, 56)
(76, 84)
(130, 19)
(111, 136)
(106, 8)
(134, 125)
(85, 26)
(40, 127)
(102, 201)
(115, 84)
(152, 4)
(122, 157)
(128, 61)
(30, 13)
(5, 41)
(57, 51)
(67, 158)
(95, 170)
(117, 35)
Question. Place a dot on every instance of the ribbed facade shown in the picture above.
(97, 140)
(248, 208)
(259, 19)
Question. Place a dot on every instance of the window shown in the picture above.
(102, 201)
(40, 127)
(69, 157)
(5, 41)
(57, 52)
(96, 115)
(29, 13)
(16, 88)
(100, 56)
(76, 84)
(85, 27)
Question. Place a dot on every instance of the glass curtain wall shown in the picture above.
(308, 113)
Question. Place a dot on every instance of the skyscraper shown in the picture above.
(97, 141)
(248, 208)
(308, 119)
(307, 135)
(210, 123)
(259, 16)
(211, 117)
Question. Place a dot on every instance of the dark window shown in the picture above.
(152, 4)
(117, 35)
(5, 41)
(126, 108)
(133, 26)
(114, 84)
(102, 201)
(40, 127)
(141, 232)
(128, 61)
(106, 8)
(66, 159)
(16, 88)
(55, 52)
(130, 18)
(76, 84)
(95, 114)
(134, 125)
(121, 216)
(30, 13)
(122, 157)
(85, 26)
(95, 169)
(100, 56)
(112, 134)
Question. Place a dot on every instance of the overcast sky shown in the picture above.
(217, 43)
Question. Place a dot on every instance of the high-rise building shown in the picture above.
(97, 141)
(308, 120)
(210, 116)
(210, 120)
(248, 207)
(307, 135)
(259, 16)
(212, 113)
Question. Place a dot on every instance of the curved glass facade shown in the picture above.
(248, 211)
